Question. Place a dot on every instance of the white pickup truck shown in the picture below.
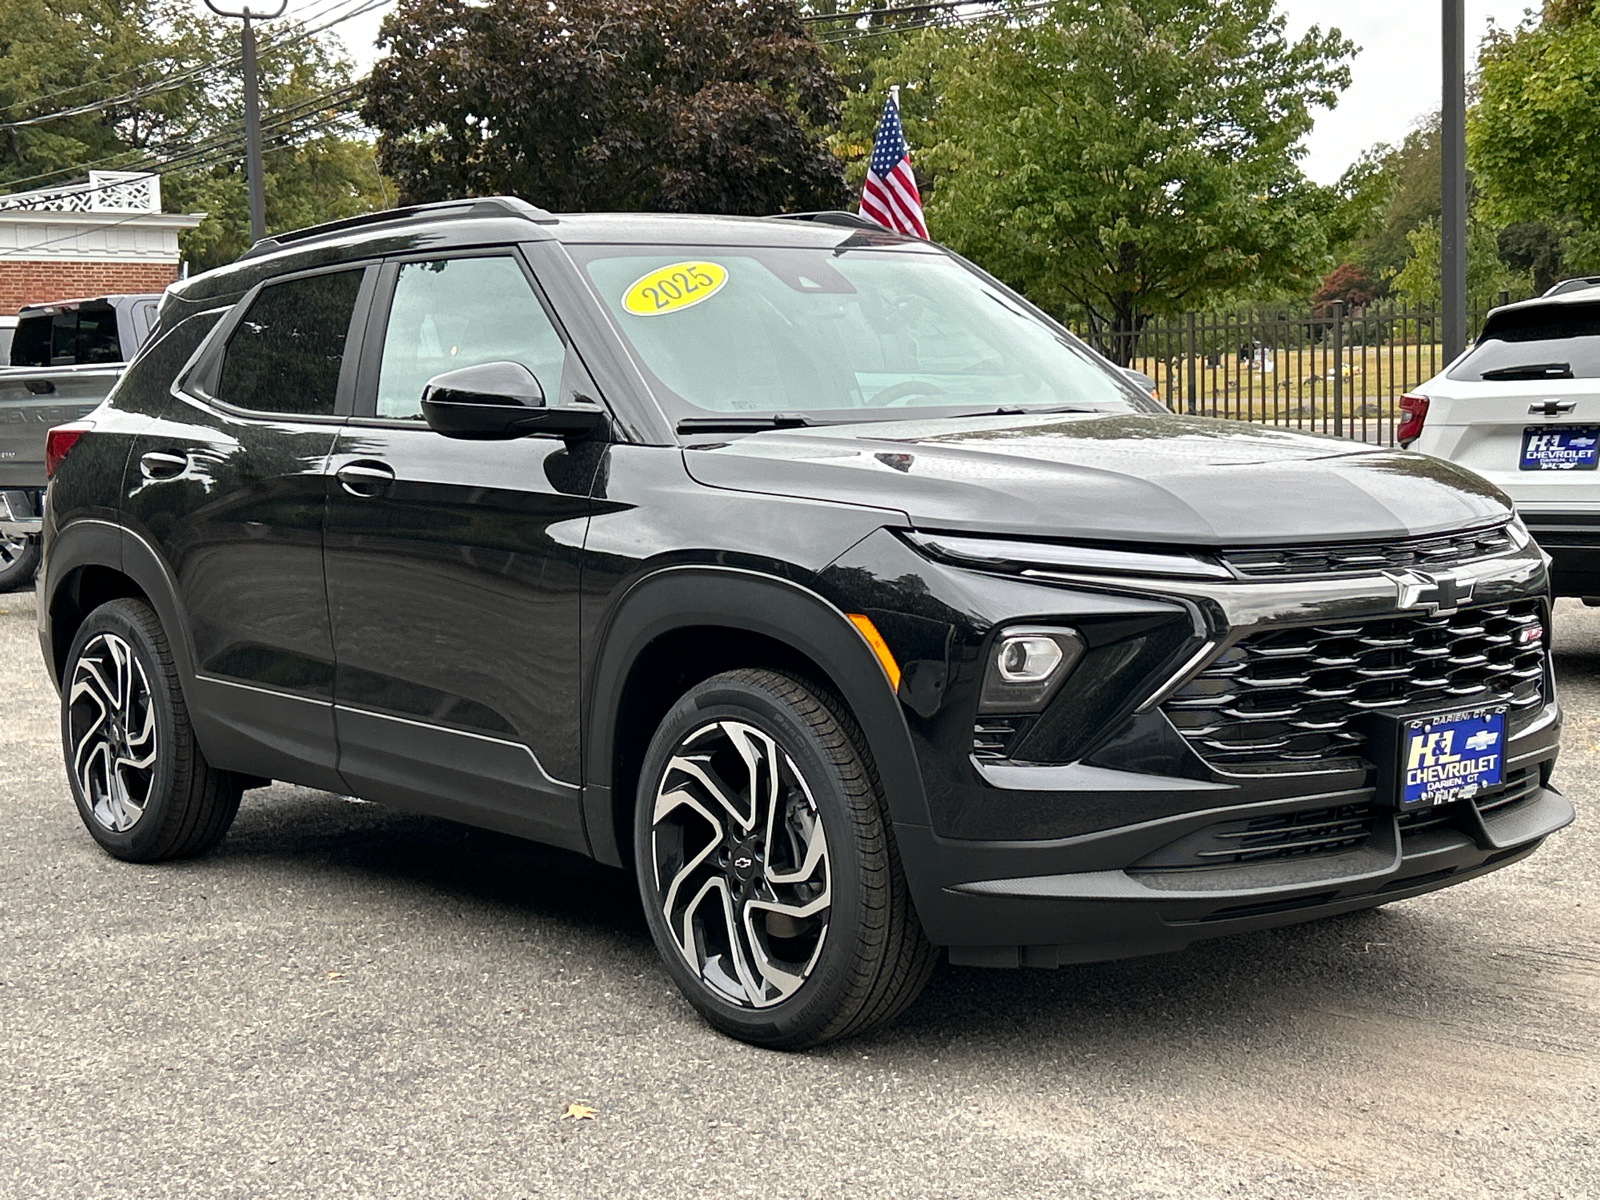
(65, 357)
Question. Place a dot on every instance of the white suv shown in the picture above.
(1522, 409)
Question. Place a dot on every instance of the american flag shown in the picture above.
(889, 196)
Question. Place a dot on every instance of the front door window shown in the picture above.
(459, 312)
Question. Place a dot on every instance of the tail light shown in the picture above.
(58, 442)
(1413, 412)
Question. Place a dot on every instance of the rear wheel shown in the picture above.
(19, 561)
(143, 789)
(767, 865)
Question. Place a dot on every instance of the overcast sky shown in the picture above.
(1395, 76)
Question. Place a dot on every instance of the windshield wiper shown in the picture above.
(732, 424)
(1018, 410)
(1555, 370)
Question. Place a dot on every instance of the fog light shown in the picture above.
(1028, 658)
(1026, 667)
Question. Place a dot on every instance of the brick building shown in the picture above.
(88, 239)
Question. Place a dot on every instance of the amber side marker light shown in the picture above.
(868, 630)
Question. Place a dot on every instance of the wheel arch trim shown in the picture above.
(686, 597)
(94, 542)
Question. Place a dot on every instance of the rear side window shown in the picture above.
(1552, 341)
(30, 345)
(81, 336)
(286, 353)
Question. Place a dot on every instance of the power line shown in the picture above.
(175, 81)
(146, 155)
(201, 155)
(300, 19)
(840, 36)
(869, 13)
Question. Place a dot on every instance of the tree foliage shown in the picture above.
(667, 105)
(173, 84)
(1534, 135)
(1123, 158)
(1419, 281)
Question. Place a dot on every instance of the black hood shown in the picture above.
(1124, 477)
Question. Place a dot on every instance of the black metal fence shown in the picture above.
(1329, 370)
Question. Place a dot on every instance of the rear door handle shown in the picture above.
(365, 479)
(157, 464)
(1551, 408)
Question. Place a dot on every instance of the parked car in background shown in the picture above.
(803, 570)
(1522, 409)
(1143, 382)
(64, 358)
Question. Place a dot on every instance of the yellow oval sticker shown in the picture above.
(674, 288)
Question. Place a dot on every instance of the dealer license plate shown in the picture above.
(1569, 449)
(1451, 756)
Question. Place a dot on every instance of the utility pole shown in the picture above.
(1453, 179)
(252, 112)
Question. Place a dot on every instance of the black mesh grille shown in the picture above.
(1315, 832)
(1295, 694)
(1351, 558)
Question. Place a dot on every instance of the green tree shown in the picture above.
(60, 55)
(1394, 190)
(674, 105)
(1123, 158)
(1419, 280)
(146, 82)
(1533, 138)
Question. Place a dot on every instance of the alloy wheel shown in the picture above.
(11, 550)
(112, 731)
(740, 862)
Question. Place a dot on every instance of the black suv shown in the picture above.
(801, 568)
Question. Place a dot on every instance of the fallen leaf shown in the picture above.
(579, 1112)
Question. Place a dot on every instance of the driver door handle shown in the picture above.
(365, 479)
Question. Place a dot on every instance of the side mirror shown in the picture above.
(499, 400)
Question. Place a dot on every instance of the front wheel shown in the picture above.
(142, 786)
(19, 562)
(768, 868)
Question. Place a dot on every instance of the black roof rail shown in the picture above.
(849, 220)
(482, 206)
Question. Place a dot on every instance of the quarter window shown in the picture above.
(458, 312)
(287, 352)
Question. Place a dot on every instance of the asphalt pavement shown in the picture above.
(347, 1001)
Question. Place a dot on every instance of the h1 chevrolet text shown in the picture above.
(800, 568)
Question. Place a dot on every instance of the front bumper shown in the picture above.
(1107, 853)
(1572, 540)
(990, 915)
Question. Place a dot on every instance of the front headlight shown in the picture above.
(1026, 666)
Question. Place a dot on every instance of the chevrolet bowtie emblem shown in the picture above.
(1439, 595)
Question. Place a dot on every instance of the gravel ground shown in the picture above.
(349, 1001)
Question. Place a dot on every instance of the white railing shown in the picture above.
(105, 192)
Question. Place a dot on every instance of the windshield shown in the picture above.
(1551, 341)
(839, 335)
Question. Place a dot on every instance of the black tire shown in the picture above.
(865, 956)
(19, 562)
(164, 801)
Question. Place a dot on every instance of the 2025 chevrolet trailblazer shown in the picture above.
(800, 568)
